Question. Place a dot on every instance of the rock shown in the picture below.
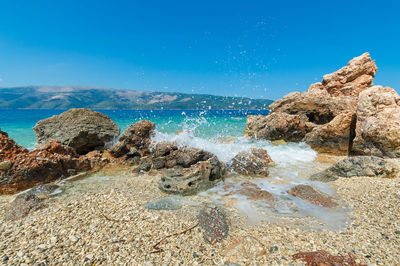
(358, 166)
(53, 161)
(137, 136)
(324, 116)
(378, 123)
(82, 129)
(43, 191)
(5, 165)
(245, 248)
(195, 178)
(350, 80)
(22, 205)
(253, 163)
(309, 194)
(253, 192)
(167, 203)
(334, 137)
(9, 149)
(214, 223)
(275, 126)
(322, 258)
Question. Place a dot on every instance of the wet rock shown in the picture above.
(137, 136)
(254, 192)
(322, 257)
(82, 129)
(191, 180)
(253, 163)
(246, 248)
(378, 123)
(167, 203)
(214, 223)
(22, 205)
(309, 194)
(43, 191)
(323, 115)
(358, 166)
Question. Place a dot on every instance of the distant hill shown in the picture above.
(63, 97)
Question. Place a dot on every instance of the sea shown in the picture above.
(220, 132)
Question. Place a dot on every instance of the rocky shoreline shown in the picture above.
(154, 205)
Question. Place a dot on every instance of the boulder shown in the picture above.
(323, 115)
(253, 163)
(358, 166)
(135, 140)
(82, 129)
(193, 179)
(309, 194)
(378, 123)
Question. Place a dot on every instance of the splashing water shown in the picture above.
(294, 163)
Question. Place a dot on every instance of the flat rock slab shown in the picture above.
(167, 203)
(215, 224)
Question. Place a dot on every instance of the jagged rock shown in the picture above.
(334, 137)
(358, 166)
(167, 203)
(82, 129)
(22, 205)
(214, 222)
(137, 136)
(378, 123)
(8, 148)
(197, 177)
(275, 126)
(353, 78)
(253, 163)
(309, 194)
(323, 115)
(53, 161)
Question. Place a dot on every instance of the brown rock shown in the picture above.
(215, 224)
(253, 163)
(333, 137)
(350, 80)
(22, 205)
(378, 123)
(254, 192)
(309, 194)
(8, 148)
(137, 136)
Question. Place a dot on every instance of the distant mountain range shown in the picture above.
(64, 97)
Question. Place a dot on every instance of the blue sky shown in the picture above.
(261, 49)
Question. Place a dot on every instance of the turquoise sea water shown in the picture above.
(207, 124)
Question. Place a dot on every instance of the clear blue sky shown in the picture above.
(246, 48)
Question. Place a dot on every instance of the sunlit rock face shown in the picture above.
(324, 116)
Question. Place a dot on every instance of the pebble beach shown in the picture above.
(107, 223)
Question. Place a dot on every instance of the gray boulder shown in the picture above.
(358, 166)
(82, 129)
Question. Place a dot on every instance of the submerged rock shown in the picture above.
(82, 129)
(167, 203)
(245, 248)
(358, 166)
(22, 205)
(214, 223)
(44, 191)
(253, 163)
(309, 194)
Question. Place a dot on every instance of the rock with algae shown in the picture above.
(166, 203)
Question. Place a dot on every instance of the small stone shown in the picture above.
(5, 258)
(397, 232)
(20, 254)
(73, 238)
(273, 249)
(195, 255)
(167, 203)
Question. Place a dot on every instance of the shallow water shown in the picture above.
(219, 132)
